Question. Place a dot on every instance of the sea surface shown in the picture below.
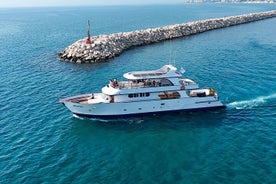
(41, 142)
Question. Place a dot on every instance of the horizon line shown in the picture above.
(135, 4)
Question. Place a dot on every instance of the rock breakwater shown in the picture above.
(106, 47)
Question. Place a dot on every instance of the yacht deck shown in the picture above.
(141, 84)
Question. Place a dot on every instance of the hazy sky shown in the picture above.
(28, 3)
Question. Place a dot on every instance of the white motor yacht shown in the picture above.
(145, 93)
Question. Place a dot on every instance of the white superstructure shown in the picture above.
(144, 92)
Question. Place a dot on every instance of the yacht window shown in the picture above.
(166, 82)
(134, 95)
(130, 96)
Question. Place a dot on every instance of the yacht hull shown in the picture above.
(143, 108)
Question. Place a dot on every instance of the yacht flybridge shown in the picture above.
(144, 93)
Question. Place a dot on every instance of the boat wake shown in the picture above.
(261, 101)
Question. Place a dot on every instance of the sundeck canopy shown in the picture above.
(166, 71)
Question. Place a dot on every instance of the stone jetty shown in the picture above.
(105, 47)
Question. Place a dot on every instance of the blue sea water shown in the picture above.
(41, 142)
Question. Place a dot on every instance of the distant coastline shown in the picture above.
(230, 1)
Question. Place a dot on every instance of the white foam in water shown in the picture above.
(248, 104)
(76, 116)
(111, 120)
